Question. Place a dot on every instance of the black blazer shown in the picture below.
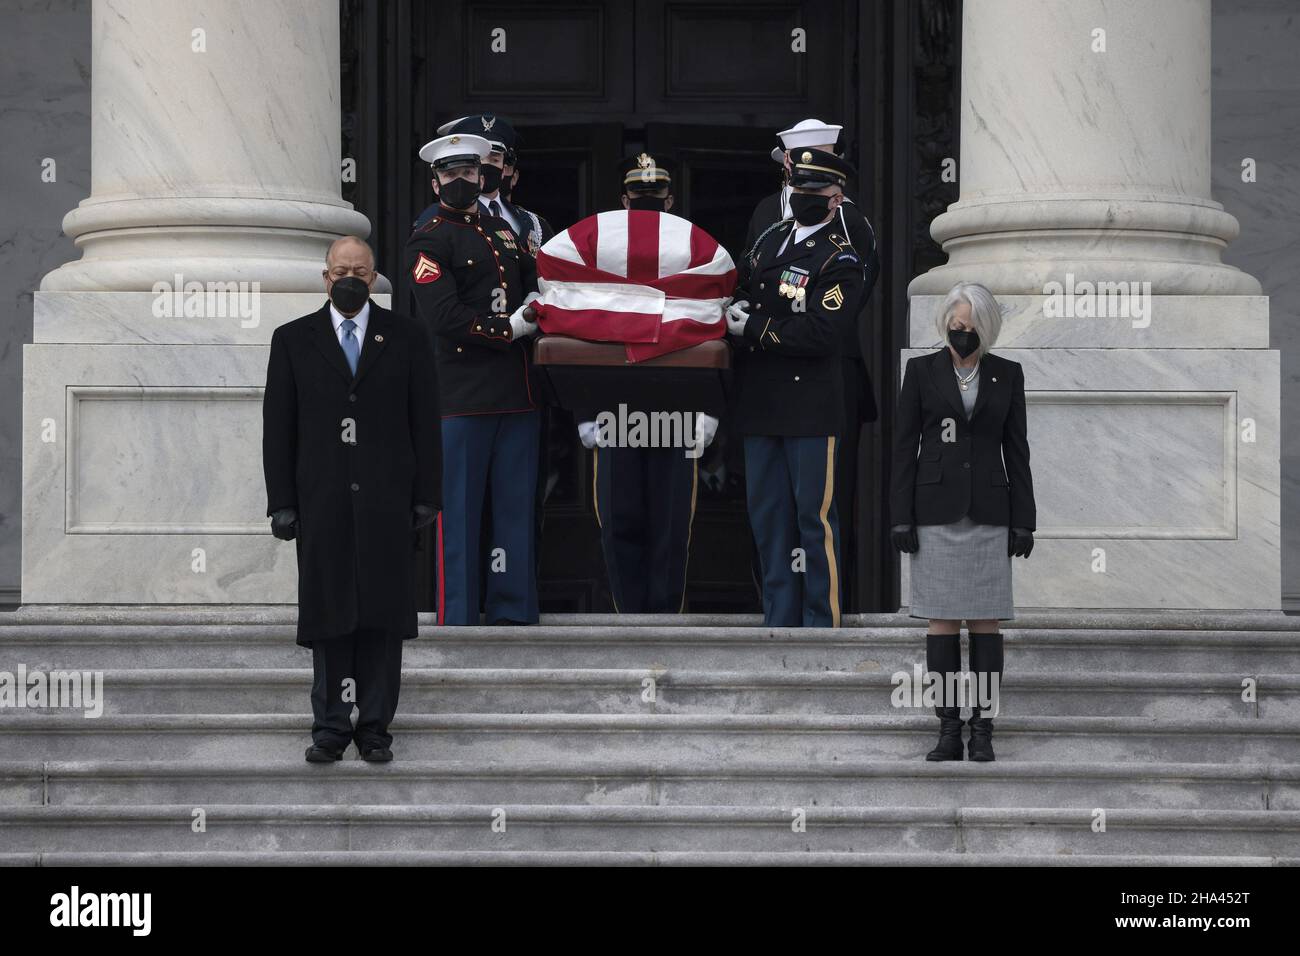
(983, 471)
(356, 565)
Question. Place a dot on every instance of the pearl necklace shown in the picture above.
(965, 382)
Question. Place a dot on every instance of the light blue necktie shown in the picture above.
(351, 348)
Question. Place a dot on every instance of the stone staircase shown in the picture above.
(647, 740)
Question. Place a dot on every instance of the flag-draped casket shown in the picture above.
(650, 281)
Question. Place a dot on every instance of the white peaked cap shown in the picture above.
(446, 149)
(809, 132)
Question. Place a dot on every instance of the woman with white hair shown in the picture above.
(962, 503)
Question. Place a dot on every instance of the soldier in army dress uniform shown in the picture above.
(803, 281)
(859, 393)
(472, 282)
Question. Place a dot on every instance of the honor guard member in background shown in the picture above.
(859, 394)
(804, 280)
(645, 497)
(500, 173)
(472, 282)
(350, 452)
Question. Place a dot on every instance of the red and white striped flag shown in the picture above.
(647, 279)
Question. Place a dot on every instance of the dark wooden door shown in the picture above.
(708, 82)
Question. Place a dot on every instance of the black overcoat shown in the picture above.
(983, 471)
(354, 498)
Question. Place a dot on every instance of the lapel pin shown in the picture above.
(380, 338)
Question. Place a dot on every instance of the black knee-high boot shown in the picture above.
(985, 661)
(943, 657)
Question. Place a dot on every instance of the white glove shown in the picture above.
(588, 432)
(737, 316)
(520, 326)
(706, 427)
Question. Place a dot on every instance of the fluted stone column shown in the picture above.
(1154, 436)
(215, 166)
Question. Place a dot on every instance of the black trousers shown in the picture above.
(363, 668)
(645, 503)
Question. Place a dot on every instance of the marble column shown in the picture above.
(215, 193)
(1154, 419)
(215, 146)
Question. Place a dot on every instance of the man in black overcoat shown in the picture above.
(351, 449)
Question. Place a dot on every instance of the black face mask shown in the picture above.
(459, 193)
(652, 203)
(491, 178)
(964, 343)
(808, 210)
(506, 185)
(349, 294)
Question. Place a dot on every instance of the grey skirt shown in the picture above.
(961, 570)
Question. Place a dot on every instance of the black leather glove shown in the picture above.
(905, 539)
(421, 516)
(1020, 542)
(284, 524)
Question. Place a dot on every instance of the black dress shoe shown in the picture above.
(376, 754)
(323, 753)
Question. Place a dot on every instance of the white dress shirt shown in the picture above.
(799, 234)
(362, 318)
(505, 213)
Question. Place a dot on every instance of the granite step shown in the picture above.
(614, 858)
(674, 829)
(702, 782)
(719, 737)
(41, 646)
(592, 690)
(1037, 618)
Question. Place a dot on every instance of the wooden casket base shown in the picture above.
(590, 377)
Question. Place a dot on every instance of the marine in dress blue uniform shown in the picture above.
(645, 497)
(501, 171)
(803, 281)
(472, 282)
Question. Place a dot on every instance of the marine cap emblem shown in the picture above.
(455, 140)
(806, 157)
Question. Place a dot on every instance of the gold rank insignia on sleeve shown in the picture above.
(425, 270)
(833, 299)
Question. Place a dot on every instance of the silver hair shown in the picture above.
(985, 314)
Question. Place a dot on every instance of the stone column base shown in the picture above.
(142, 453)
(1156, 468)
